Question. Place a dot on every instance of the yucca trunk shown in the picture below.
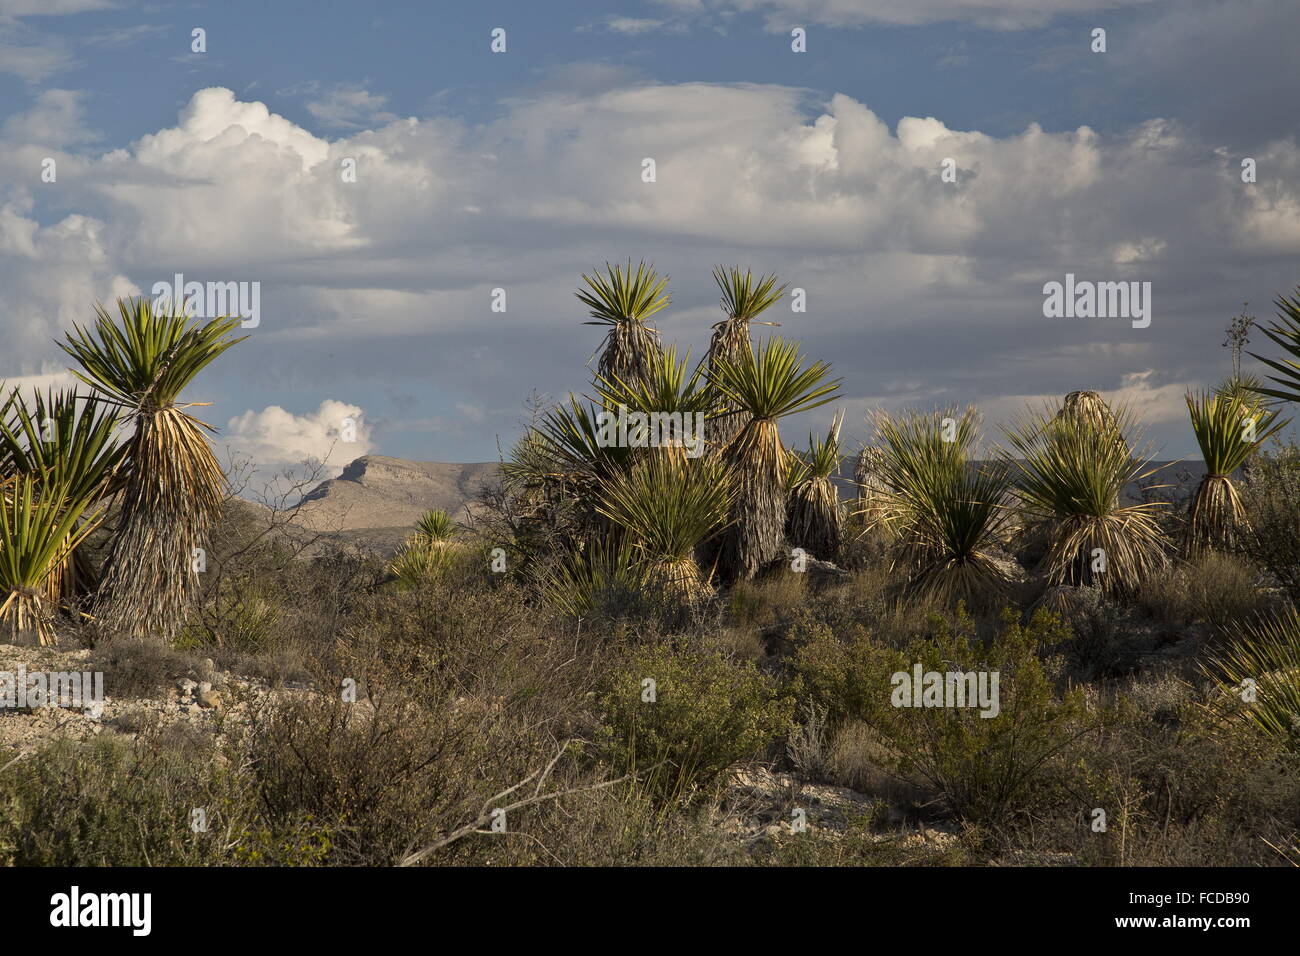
(678, 581)
(870, 488)
(757, 534)
(814, 519)
(631, 350)
(730, 342)
(1214, 517)
(74, 578)
(169, 501)
(28, 617)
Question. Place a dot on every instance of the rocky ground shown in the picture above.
(205, 697)
(759, 808)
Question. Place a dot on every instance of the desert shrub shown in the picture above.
(625, 825)
(1271, 500)
(1214, 587)
(1106, 641)
(113, 802)
(707, 713)
(984, 768)
(806, 747)
(385, 779)
(843, 676)
(1155, 761)
(768, 600)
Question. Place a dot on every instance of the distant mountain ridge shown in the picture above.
(379, 492)
(377, 499)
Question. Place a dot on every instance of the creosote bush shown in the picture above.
(681, 718)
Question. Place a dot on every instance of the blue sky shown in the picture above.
(521, 170)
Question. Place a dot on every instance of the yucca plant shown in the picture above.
(814, 518)
(669, 506)
(41, 523)
(428, 551)
(1228, 429)
(669, 389)
(594, 575)
(623, 302)
(744, 298)
(942, 511)
(569, 438)
(1259, 676)
(765, 385)
(1244, 386)
(1069, 474)
(171, 483)
(1285, 333)
(60, 436)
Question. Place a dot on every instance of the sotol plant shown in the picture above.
(41, 523)
(427, 551)
(1285, 333)
(1070, 471)
(669, 506)
(63, 440)
(1259, 675)
(942, 511)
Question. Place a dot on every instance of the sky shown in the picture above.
(520, 170)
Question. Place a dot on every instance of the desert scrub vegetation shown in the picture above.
(612, 646)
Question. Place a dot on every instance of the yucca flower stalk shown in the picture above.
(669, 506)
(814, 518)
(1262, 658)
(942, 512)
(60, 436)
(766, 386)
(1228, 431)
(624, 302)
(1070, 471)
(171, 483)
(428, 551)
(744, 298)
(41, 524)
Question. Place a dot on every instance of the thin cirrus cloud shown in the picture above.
(996, 14)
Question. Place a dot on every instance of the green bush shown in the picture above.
(1270, 497)
(112, 802)
(984, 768)
(707, 713)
